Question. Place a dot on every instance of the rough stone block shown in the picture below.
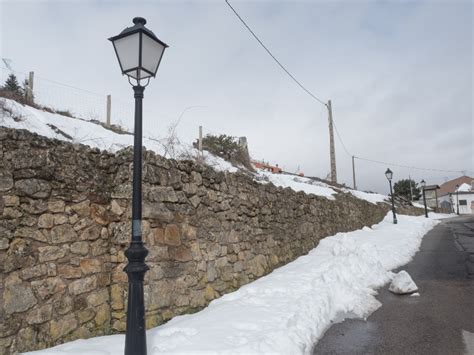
(46, 220)
(57, 206)
(172, 235)
(40, 315)
(63, 234)
(50, 253)
(91, 266)
(18, 298)
(83, 285)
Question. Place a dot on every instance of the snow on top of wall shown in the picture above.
(94, 135)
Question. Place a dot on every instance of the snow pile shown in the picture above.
(403, 284)
(286, 311)
(297, 184)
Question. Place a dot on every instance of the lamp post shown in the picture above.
(139, 53)
(389, 175)
(457, 200)
(423, 184)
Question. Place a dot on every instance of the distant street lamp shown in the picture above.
(423, 184)
(389, 175)
(457, 199)
(139, 53)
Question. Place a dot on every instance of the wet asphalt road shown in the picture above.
(440, 321)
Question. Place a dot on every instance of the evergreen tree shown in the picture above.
(11, 84)
(402, 188)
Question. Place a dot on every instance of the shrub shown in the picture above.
(228, 148)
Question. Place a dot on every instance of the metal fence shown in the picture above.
(61, 97)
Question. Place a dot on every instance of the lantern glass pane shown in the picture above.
(134, 74)
(151, 53)
(127, 51)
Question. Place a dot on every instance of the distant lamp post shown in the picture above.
(139, 53)
(423, 184)
(457, 200)
(389, 175)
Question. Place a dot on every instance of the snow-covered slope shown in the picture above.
(74, 130)
(53, 125)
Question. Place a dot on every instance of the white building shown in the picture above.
(447, 193)
(465, 195)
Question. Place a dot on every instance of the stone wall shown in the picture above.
(65, 224)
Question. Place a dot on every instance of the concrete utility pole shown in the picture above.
(411, 188)
(29, 90)
(354, 173)
(332, 149)
(109, 109)
(200, 142)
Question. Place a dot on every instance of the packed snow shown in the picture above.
(403, 284)
(287, 311)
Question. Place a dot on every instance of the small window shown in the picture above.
(462, 202)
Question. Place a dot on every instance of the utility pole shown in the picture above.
(29, 89)
(200, 143)
(332, 149)
(109, 108)
(354, 173)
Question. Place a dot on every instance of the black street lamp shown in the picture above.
(389, 175)
(423, 184)
(139, 53)
(457, 200)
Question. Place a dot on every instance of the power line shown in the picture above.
(325, 104)
(274, 58)
(340, 139)
(411, 167)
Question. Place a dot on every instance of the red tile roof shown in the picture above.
(450, 186)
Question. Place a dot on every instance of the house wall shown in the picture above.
(464, 209)
(445, 204)
(65, 224)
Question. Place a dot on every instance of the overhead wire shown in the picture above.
(274, 58)
(324, 103)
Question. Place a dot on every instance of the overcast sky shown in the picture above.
(399, 74)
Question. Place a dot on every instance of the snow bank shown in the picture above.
(286, 311)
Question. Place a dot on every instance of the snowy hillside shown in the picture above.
(53, 125)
